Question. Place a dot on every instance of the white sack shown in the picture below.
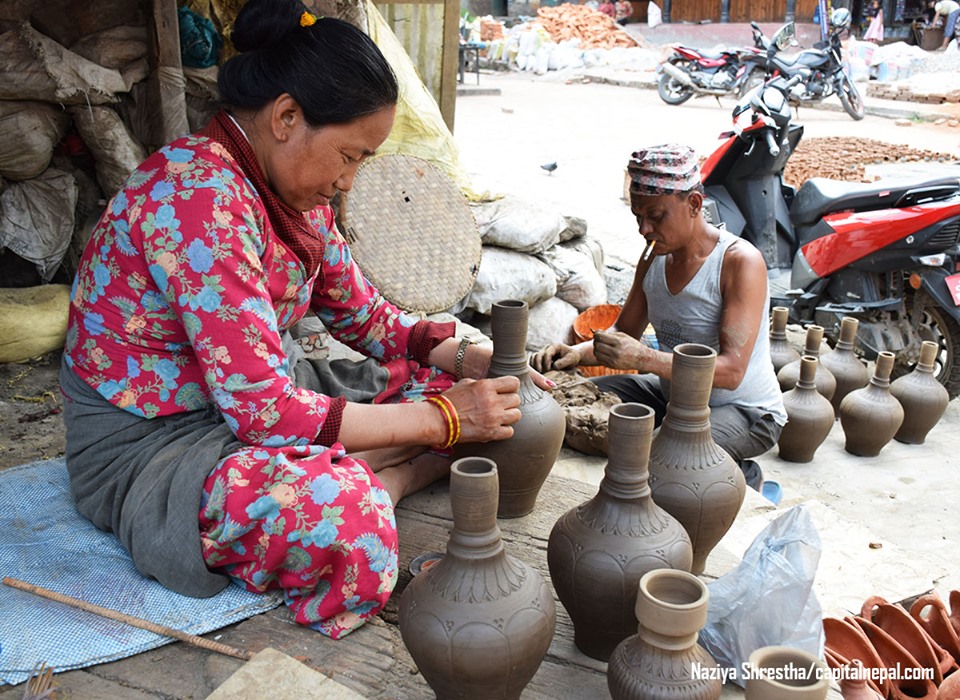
(29, 131)
(506, 274)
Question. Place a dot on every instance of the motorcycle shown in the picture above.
(821, 70)
(693, 72)
(883, 253)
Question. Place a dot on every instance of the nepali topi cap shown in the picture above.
(665, 169)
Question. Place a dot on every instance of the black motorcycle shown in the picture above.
(821, 69)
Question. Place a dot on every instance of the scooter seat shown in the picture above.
(819, 196)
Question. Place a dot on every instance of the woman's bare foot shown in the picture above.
(384, 457)
(414, 474)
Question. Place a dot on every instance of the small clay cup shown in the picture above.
(785, 673)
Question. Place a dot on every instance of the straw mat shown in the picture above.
(412, 232)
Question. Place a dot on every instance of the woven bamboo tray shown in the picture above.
(412, 233)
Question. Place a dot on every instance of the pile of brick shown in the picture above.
(592, 28)
(846, 158)
(932, 88)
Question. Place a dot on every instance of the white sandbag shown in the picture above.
(36, 219)
(29, 131)
(591, 247)
(506, 274)
(550, 322)
(122, 48)
(34, 67)
(578, 281)
(116, 153)
(576, 228)
(33, 321)
(517, 224)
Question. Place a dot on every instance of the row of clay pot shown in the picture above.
(872, 410)
(919, 649)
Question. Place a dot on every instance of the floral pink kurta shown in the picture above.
(179, 303)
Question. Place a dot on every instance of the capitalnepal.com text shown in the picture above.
(796, 672)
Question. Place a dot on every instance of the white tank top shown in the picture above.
(693, 316)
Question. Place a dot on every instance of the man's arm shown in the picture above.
(743, 285)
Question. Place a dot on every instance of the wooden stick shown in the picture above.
(129, 619)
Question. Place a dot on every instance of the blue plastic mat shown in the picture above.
(44, 541)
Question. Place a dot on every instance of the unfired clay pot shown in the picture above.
(692, 477)
(785, 673)
(663, 660)
(842, 362)
(809, 417)
(789, 374)
(781, 352)
(853, 683)
(598, 551)
(478, 622)
(923, 398)
(871, 416)
(524, 460)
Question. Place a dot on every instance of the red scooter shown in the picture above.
(692, 72)
(884, 253)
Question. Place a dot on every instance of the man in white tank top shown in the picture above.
(700, 285)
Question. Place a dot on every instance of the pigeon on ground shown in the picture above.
(549, 167)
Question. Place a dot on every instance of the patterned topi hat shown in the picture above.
(665, 169)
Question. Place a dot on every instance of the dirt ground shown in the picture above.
(31, 423)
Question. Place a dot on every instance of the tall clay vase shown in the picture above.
(789, 374)
(598, 551)
(478, 622)
(785, 673)
(692, 477)
(871, 416)
(524, 460)
(663, 660)
(809, 417)
(851, 374)
(923, 398)
(781, 352)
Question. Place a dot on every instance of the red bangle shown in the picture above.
(446, 407)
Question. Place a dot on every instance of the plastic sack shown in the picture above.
(768, 600)
(654, 15)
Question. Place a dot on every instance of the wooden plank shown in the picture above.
(166, 79)
(451, 61)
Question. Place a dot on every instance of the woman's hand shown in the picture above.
(487, 408)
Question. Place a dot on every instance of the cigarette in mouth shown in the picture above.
(648, 250)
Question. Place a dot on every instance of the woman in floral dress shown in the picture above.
(195, 429)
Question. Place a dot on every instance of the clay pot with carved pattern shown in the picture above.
(663, 660)
(478, 622)
(849, 371)
(598, 551)
(789, 374)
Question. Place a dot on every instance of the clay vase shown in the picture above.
(663, 660)
(789, 374)
(781, 352)
(853, 684)
(923, 398)
(846, 642)
(809, 417)
(896, 621)
(931, 614)
(842, 362)
(950, 689)
(785, 673)
(524, 460)
(598, 551)
(478, 622)
(692, 477)
(871, 416)
(893, 655)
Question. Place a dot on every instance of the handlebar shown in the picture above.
(772, 144)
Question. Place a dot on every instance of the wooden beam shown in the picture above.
(167, 81)
(450, 61)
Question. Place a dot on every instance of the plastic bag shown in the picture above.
(768, 599)
(654, 15)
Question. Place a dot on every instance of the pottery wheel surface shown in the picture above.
(412, 233)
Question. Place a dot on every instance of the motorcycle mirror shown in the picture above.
(784, 36)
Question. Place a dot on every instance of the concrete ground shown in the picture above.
(888, 524)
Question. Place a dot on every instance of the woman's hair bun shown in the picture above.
(263, 23)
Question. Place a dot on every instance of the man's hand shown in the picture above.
(620, 351)
(557, 356)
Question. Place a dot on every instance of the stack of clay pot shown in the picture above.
(887, 636)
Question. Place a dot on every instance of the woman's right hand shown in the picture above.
(557, 356)
(487, 408)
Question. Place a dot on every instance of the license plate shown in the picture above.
(953, 284)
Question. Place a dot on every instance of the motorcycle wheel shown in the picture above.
(850, 97)
(756, 77)
(941, 328)
(673, 92)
